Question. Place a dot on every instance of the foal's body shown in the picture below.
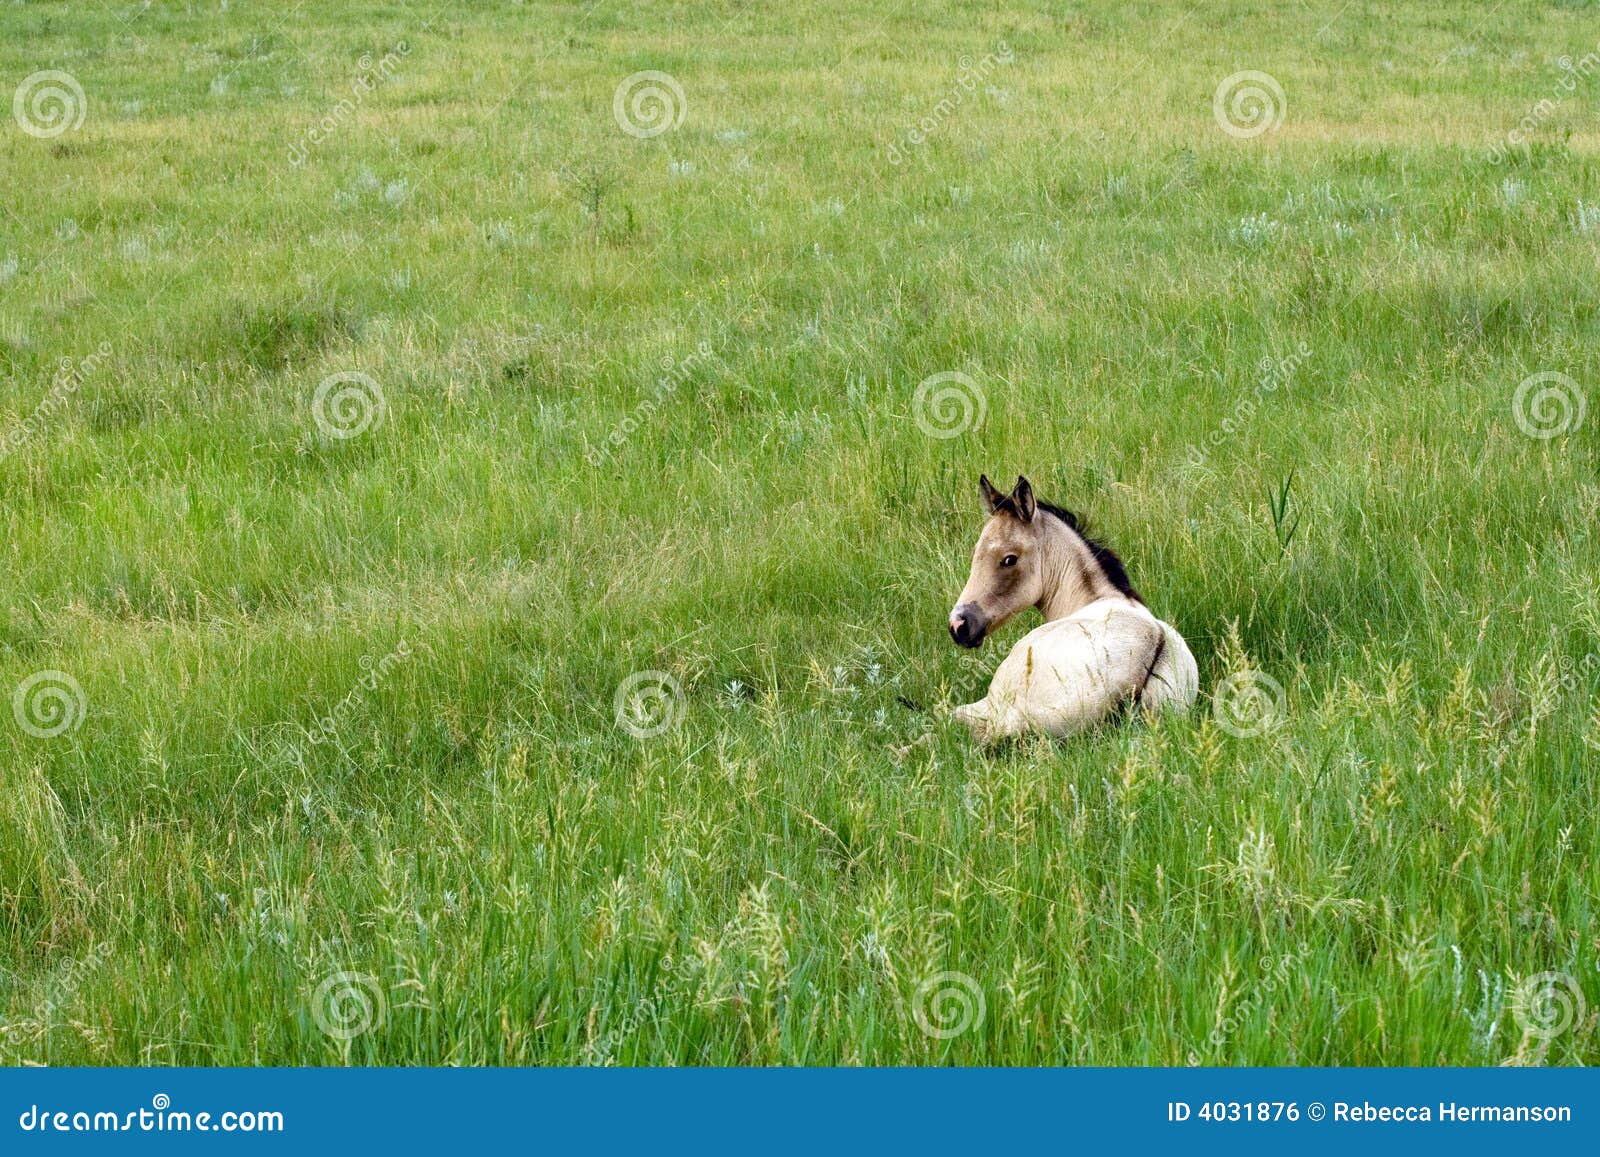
(1071, 673)
(1100, 651)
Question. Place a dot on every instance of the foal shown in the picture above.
(1100, 650)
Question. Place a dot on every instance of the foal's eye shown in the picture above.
(1009, 560)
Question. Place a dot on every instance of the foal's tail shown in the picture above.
(1172, 681)
(1139, 696)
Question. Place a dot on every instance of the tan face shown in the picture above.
(1006, 576)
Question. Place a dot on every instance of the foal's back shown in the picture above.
(1074, 672)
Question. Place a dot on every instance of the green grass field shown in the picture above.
(424, 388)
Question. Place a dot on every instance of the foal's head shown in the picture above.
(1032, 554)
(1007, 575)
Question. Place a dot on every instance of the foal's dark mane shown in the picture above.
(1116, 574)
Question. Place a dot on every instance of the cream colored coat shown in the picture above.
(1100, 652)
(1110, 655)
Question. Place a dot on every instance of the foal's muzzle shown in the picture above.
(967, 625)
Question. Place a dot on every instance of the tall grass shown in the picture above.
(350, 784)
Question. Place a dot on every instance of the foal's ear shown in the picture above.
(1022, 499)
(992, 498)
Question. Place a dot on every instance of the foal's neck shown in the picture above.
(1073, 577)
